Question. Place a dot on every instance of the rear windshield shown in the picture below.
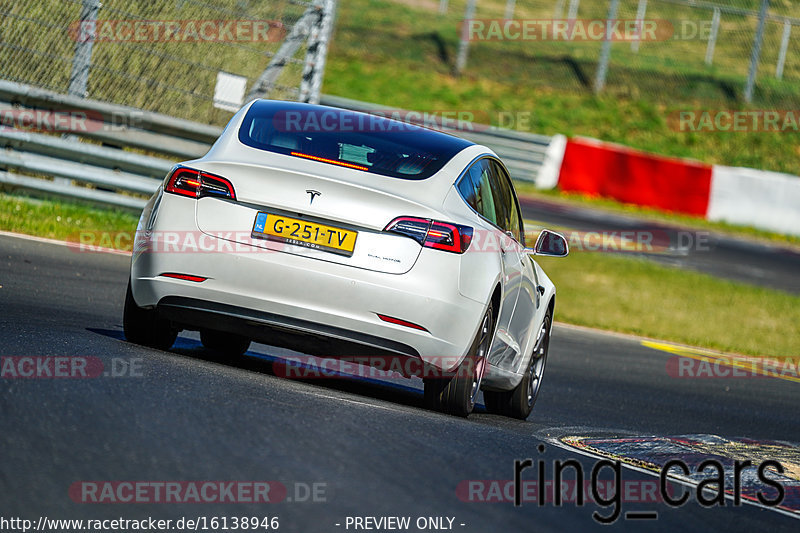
(360, 141)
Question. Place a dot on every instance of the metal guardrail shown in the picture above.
(89, 154)
(111, 174)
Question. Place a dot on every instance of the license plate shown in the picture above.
(304, 233)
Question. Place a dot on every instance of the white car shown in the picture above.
(342, 234)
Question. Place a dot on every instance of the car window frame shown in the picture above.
(465, 174)
(506, 178)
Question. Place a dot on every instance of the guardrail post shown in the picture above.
(84, 42)
(605, 53)
(756, 55)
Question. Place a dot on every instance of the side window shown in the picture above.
(476, 188)
(512, 220)
(467, 190)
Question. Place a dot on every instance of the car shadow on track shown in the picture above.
(263, 359)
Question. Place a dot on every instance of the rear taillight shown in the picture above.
(198, 184)
(400, 322)
(184, 181)
(433, 233)
(185, 277)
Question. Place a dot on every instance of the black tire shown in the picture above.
(145, 327)
(456, 396)
(518, 403)
(227, 344)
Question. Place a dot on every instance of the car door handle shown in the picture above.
(503, 242)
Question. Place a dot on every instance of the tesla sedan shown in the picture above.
(342, 234)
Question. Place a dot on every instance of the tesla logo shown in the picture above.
(313, 194)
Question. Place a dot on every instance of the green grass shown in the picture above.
(60, 220)
(637, 296)
(609, 292)
(402, 55)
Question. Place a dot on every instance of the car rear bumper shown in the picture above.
(285, 299)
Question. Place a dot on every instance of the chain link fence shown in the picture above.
(164, 56)
(167, 56)
(738, 51)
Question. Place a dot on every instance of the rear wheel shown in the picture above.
(227, 344)
(145, 327)
(457, 395)
(518, 402)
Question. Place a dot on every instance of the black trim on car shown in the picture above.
(276, 330)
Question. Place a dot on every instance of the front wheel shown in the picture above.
(457, 395)
(518, 402)
(144, 326)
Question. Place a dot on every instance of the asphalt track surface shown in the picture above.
(737, 259)
(190, 416)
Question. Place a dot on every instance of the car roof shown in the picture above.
(430, 191)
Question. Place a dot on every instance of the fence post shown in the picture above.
(787, 32)
(316, 53)
(712, 39)
(84, 42)
(756, 55)
(442, 7)
(291, 44)
(463, 45)
(605, 53)
(641, 12)
(573, 9)
(510, 6)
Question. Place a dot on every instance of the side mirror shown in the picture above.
(550, 244)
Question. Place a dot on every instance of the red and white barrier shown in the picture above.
(766, 200)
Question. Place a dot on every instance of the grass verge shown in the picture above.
(621, 294)
(632, 295)
(60, 220)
